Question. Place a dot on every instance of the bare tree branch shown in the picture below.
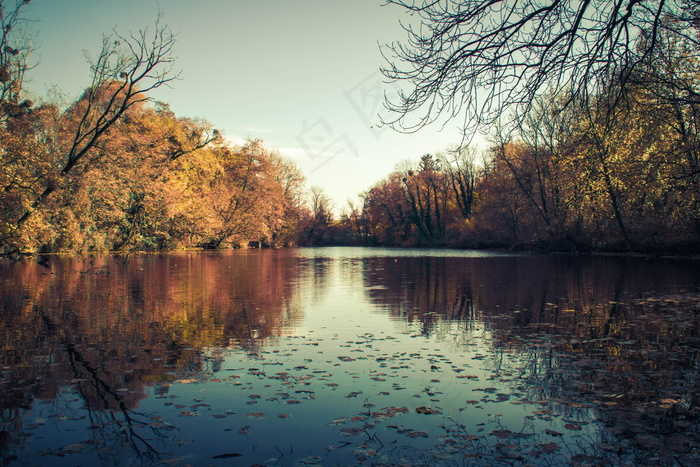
(125, 70)
(480, 59)
(14, 55)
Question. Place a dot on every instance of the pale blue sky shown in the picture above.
(301, 75)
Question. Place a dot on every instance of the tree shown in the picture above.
(480, 59)
(15, 49)
(124, 71)
(387, 211)
(459, 163)
(358, 222)
(243, 196)
(321, 216)
(427, 192)
(291, 184)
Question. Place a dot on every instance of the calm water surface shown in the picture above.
(349, 356)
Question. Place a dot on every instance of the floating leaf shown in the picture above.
(311, 460)
(393, 409)
(73, 448)
(417, 434)
(227, 455)
(549, 447)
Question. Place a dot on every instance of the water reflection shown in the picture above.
(606, 347)
(110, 328)
(617, 334)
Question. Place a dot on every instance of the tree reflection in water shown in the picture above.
(571, 334)
(606, 346)
(111, 329)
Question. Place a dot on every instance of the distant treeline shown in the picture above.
(581, 177)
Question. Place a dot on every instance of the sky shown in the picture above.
(302, 75)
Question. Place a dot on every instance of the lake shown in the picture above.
(350, 356)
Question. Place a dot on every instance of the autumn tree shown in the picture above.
(387, 212)
(245, 196)
(126, 68)
(355, 216)
(499, 219)
(114, 170)
(463, 171)
(143, 159)
(427, 191)
(316, 227)
(290, 192)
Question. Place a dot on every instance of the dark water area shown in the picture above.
(350, 356)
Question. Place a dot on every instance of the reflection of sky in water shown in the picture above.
(371, 252)
(354, 375)
(322, 382)
(348, 365)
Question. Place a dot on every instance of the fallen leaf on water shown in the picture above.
(427, 411)
(553, 433)
(311, 460)
(417, 434)
(73, 448)
(549, 447)
(227, 455)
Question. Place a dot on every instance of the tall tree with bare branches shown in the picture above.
(479, 59)
(126, 68)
